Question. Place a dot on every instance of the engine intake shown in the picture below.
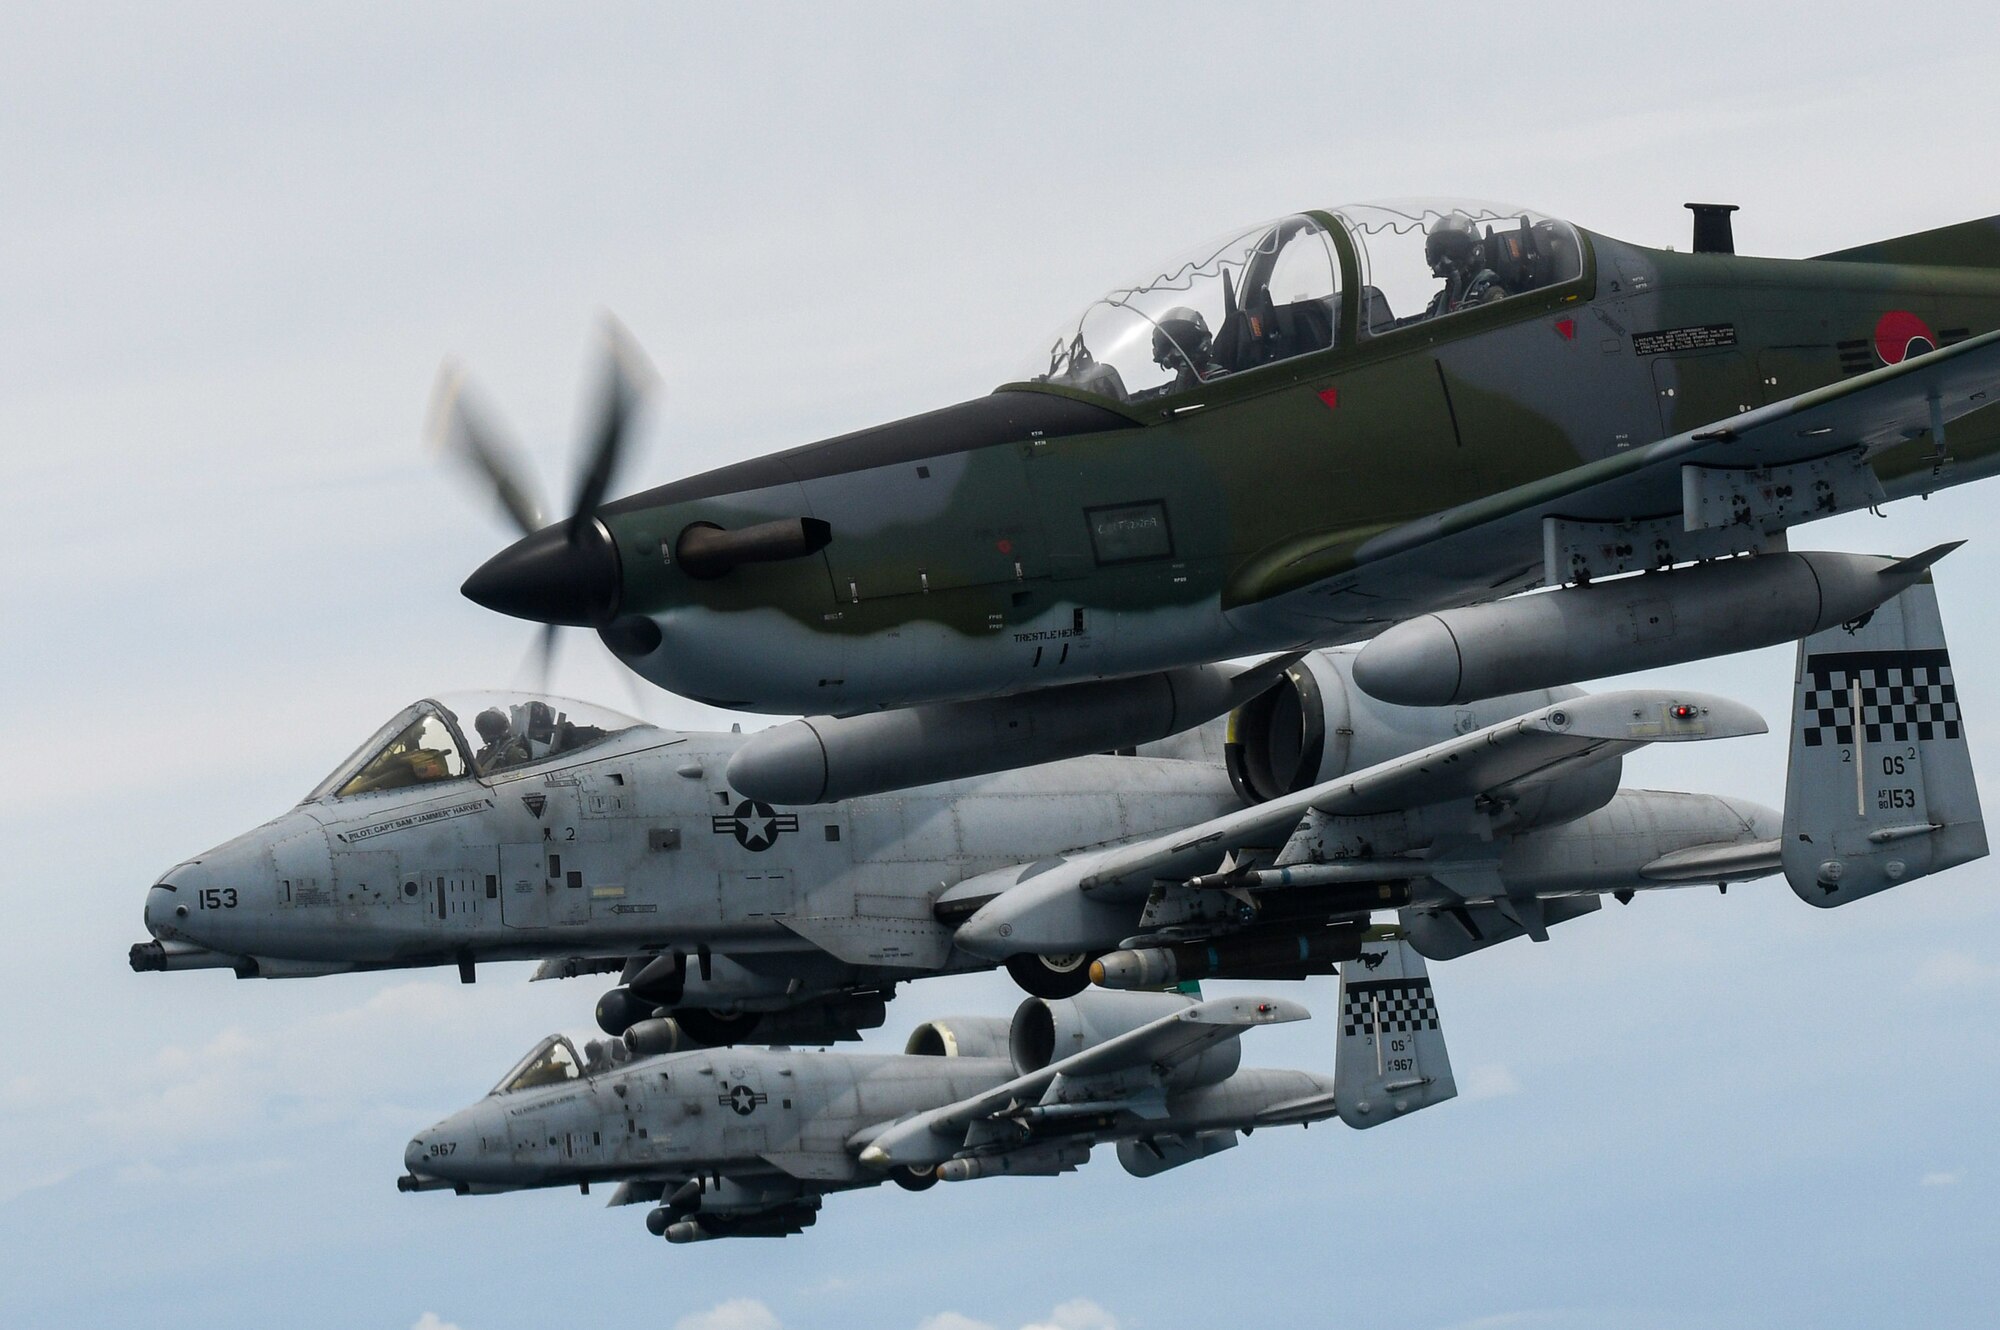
(1316, 725)
(1046, 1030)
(960, 1037)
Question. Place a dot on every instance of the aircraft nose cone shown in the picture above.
(159, 911)
(439, 1152)
(170, 903)
(549, 578)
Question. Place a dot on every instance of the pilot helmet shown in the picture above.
(1451, 244)
(491, 724)
(1180, 336)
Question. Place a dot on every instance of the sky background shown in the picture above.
(235, 244)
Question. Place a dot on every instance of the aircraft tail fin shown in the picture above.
(1974, 244)
(1391, 1058)
(1880, 788)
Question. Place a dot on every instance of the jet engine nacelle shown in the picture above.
(1316, 725)
(960, 1037)
(1046, 1030)
(660, 1034)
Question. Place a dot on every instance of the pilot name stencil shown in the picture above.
(414, 820)
(756, 826)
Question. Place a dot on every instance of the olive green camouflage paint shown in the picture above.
(1270, 479)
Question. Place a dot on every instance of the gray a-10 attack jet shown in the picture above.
(746, 1142)
(1880, 791)
(602, 845)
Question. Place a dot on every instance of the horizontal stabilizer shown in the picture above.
(1391, 1057)
(1880, 789)
(1731, 860)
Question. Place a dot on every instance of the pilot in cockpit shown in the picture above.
(499, 745)
(1455, 254)
(1183, 346)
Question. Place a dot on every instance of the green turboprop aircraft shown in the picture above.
(1304, 434)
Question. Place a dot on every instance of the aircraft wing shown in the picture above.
(1860, 417)
(1490, 762)
(935, 1136)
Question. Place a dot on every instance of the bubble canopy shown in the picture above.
(1273, 292)
(1237, 302)
(551, 1062)
(455, 736)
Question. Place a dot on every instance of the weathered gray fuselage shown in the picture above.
(774, 1121)
(638, 843)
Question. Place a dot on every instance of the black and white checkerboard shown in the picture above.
(1388, 1006)
(1904, 696)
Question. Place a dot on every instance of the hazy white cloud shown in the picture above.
(1940, 1179)
(432, 1321)
(735, 1314)
(1076, 1314)
(1491, 1081)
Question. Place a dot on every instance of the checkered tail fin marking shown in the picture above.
(1880, 788)
(1391, 1059)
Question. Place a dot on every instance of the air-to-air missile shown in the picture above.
(748, 1143)
(600, 845)
(1302, 434)
(1506, 830)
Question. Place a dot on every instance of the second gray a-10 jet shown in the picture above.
(745, 1142)
(602, 845)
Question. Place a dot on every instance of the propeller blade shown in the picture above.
(551, 637)
(627, 376)
(459, 427)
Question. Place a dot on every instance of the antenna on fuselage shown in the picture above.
(1713, 232)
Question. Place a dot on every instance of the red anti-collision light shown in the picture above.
(1684, 712)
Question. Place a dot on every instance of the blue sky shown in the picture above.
(236, 243)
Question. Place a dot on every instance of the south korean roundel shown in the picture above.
(1900, 334)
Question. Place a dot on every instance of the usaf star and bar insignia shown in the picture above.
(756, 826)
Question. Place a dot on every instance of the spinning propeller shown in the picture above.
(558, 574)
